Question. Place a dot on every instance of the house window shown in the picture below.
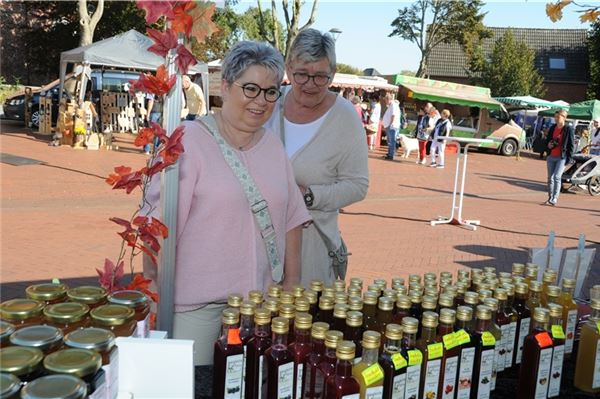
(557, 63)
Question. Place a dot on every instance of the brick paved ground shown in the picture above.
(54, 217)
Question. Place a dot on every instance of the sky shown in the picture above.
(365, 26)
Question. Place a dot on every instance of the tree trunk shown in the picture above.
(422, 72)
(88, 23)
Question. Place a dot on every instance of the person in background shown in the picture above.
(595, 136)
(194, 99)
(391, 123)
(357, 107)
(326, 144)
(560, 143)
(154, 109)
(220, 248)
(433, 115)
(442, 129)
(373, 124)
(422, 135)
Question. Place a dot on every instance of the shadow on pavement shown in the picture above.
(501, 258)
(522, 183)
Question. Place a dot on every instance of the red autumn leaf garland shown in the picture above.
(181, 20)
(144, 136)
(156, 9)
(159, 84)
(173, 147)
(203, 25)
(184, 59)
(111, 275)
(163, 41)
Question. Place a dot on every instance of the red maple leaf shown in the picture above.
(129, 182)
(181, 20)
(184, 59)
(173, 147)
(139, 283)
(156, 168)
(111, 276)
(203, 25)
(144, 136)
(159, 84)
(163, 41)
(129, 235)
(155, 9)
(120, 171)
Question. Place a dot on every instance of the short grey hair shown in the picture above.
(246, 54)
(310, 45)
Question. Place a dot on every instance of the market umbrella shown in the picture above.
(586, 110)
(529, 101)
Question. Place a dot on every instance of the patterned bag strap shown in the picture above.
(258, 205)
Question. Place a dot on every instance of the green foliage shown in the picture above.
(510, 70)
(344, 68)
(593, 91)
(217, 45)
(8, 90)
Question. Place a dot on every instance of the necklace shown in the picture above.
(230, 136)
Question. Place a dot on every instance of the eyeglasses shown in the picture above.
(252, 90)
(319, 80)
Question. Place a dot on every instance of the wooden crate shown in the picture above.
(121, 112)
(45, 112)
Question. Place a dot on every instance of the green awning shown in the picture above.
(586, 110)
(528, 101)
(447, 92)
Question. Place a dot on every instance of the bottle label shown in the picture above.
(262, 376)
(372, 374)
(495, 367)
(432, 379)
(501, 362)
(449, 382)
(374, 393)
(462, 337)
(596, 377)
(298, 381)
(413, 378)
(556, 370)
(285, 380)
(541, 383)
(523, 331)
(543, 339)
(353, 396)
(450, 341)
(465, 373)
(399, 386)
(486, 367)
(510, 344)
(598, 326)
(435, 351)
(487, 339)
(233, 376)
(415, 357)
(399, 361)
(570, 324)
(244, 374)
(557, 332)
(143, 328)
(233, 336)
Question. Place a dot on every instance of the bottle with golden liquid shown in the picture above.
(392, 362)
(370, 310)
(531, 273)
(548, 278)
(484, 354)
(587, 369)
(413, 356)
(518, 269)
(552, 296)
(535, 295)
(524, 320)
(569, 313)
(494, 328)
(368, 372)
(433, 351)
(558, 352)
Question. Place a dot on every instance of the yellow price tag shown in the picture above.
(399, 361)
(415, 357)
(462, 337)
(558, 332)
(372, 374)
(435, 351)
(487, 339)
(598, 326)
(450, 341)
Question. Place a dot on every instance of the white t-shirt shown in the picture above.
(375, 113)
(298, 134)
(596, 138)
(392, 110)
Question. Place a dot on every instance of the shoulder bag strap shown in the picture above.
(258, 205)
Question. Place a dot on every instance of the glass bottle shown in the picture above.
(446, 301)
(537, 358)
(353, 332)
(300, 349)
(416, 309)
(392, 362)
(499, 358)
(450, 360)
(317, 286)
(313, 301)
(385, 312)
(339, 316)
(558, 352)
(552, 296)
(569, 313)
(513, 317)
(247, 309)
(535, 295)
(228, 356)
(587, 368)
(288, 311)
(484, 354)
(254, 385)
(370, 310)
(461, 288)
(342, 384)
(403, 305)
(413, 355)
(531, 274)
(368, 372)
(325, 311)
(464, 338)
(433, 351)
(524, 320)
(313, 387)
(518, 269)
(327, 366)
(355, 303)
(280, 362)
(257, 297)
(234, 301)
(119, 319)
(503, 320)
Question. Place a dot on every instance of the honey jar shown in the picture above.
(67, 316)
(96, 339)
(90, 295)
(43, 337)
(82, 363)
(47, 292)
(117, 318)
(137, 301)
(23, 362)
(22, 312)
(10, 386)
(62, 386)
(6, 330)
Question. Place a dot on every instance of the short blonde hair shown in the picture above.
(446, 113)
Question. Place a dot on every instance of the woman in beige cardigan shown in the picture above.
(325, 141)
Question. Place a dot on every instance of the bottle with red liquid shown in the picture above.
(370, 310)
(300, 350)
(255, 351)
(534, 374)
(403, 305)
(339, 316)
(353, 332)
(393, 363)
(416, 309)
(247, 309)
(313, 301)
(342, 384)
(313, 387)
(325, 311)
(485, 348)
(280, 362)
(450, 360)
(413, 356)
(288, 311)
(523, 322)
(509, 312)
(327, 366)
(317, 286)
(558, 352)
(464, 338)
(228, 357)
(385, 312)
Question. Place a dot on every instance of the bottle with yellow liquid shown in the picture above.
(535, 295)
(552, 295)
(433, 351)
(587, 369)
(500, 350)
(368, 372)
(569, 313)
(548, 278)
(413, 356)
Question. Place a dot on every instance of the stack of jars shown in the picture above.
(62, 340)
(424, 338)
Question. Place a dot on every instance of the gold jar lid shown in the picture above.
(446, 301)
(568, 283)
(472, 298)
(555, 310)
(316, 285)
(393, 331)
(112, 315)
(328, 292)
(410, 325)
(233, 300)
(20, 309)
(77, 362)
(298, 290)
(354, 318)
(131, 298)
(92, 338)
(6, 329)
(287, 297)
(10, 385)
(355, 303)
(464, 313)
(431, 291)
(397, 281)
(414, 278)
(280, 325)
(247, 308)
(386, 303)
(354, 291)
(356, 281)
(20, 360)
(326, 303)
(339, 285)
(484, 294)
(302, 304)
(332, 337)
(274, 291)
(521, 288)
(390, 293)
(535, 286)
(518, 268)
(66, 312)
(46, 291)
(311, 295)
(341, 298)
(429, 319)
(272, 304)
(484, 312)
(447, 316)
(429, 302)
(500, 294)
(509, 288)
(541, 315)
(492, 303)
(38, 336)
(262, 316)
(370, 298)
(340, 310)
(403, 302)
(87, 294)
(345, 350)
(415, 297)
(256, 296)
(553, 291)
(319, 329)
(371, 339)
(381, 282)
(60, 385)
(595, 303)
(303, 321)
(287, 310)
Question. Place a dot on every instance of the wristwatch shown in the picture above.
(309, 197)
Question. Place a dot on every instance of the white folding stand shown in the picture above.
(462, 153)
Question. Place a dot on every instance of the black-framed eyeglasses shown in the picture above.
(252, 90)
(303, 77)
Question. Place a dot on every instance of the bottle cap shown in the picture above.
(332, 337)
(535, 286)
(374, 288)
(521, 288)
(339, 285)
(447, 316)
(410, 325)
(274, 291)
(355, 303)
(549, 276)
(280, 325)
(287, 297)
(397, 281)
(230, 316)
(431, 291)
(541, 315)
(370, 298)
(430, 319)
(464, 313)
(234, 300)
(484, 293)
(429, 302)
(492, 303)
(414, 278)
(472, 298)
(555, 310)
(393, 331)
(354, 318)
(568, 283)
(509, 288)
(386, 303)
(371, 340)
(531, 272)
(341, 297)
(415, 297)
(354, 290)
(484, 312)
(553, 291)
(446, 301)
(326, 303)
(302, 304)
(298, 290)
(311, 295)
(445, 275)
(328, 291)
(403, 302)
(303, 321)
(390, 293)
(340, 310)
(381, 282)
(319, 329)
(247, 308)
(272, 304)
(595, 304)
(518, 268)
(356, 281)
(256, 297)
(345, 350)
(288, 311)
(316, 285)
(262, 316)
(500, 294)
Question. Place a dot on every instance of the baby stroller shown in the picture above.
(584, 173)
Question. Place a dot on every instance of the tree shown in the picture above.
(215, 46)
(510, 70)
(344, 68)
(89, 16)
(428, 23)
(589, 13)
(594, 54)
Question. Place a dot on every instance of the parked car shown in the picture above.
(14, 106)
